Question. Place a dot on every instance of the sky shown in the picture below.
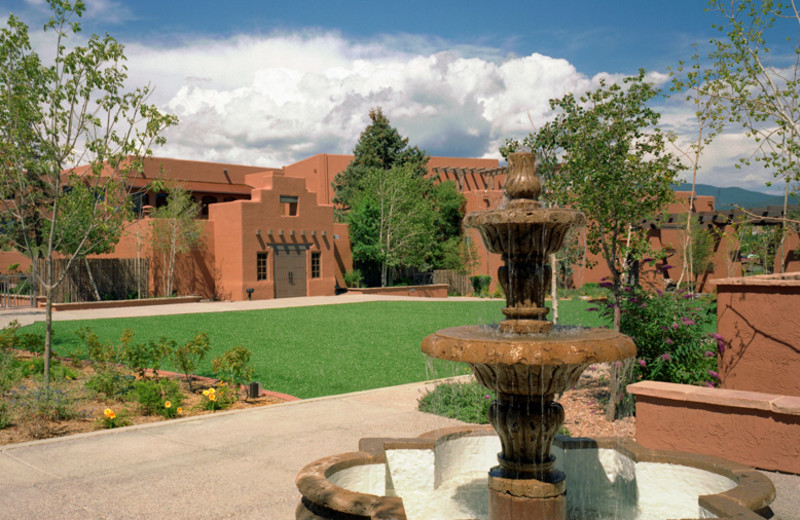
(268, 83)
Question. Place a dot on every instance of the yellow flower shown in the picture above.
(109, 413)
(205, 393)
(180, 410)
(167, 404)
(212, 397)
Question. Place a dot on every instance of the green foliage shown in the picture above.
(480, 284)
(109, 379)
(6, 419)
(392, 220)
(142, 356)
(353, 278)
(10, 371)
(670, 330)
(218, 398)
(58, 371)
(468, 402)
(112, 383)
(380, 147)
(75, 109)
(174, 230)
(153, 395)
(11, 338)
(38, 407)
(756, 77)
(112, 419)
(612, 166)
(189, 355)
(233, 367)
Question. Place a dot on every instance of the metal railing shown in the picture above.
(17, 290)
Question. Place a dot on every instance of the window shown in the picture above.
(139, 200)
(161, 199)
(288, 206)
(315, 265)
(261, 266)
(208, 199)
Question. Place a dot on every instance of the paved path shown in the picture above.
(236, 465)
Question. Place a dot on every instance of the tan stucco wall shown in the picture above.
(759, 317)
(757, 429)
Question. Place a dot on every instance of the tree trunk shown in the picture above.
(91, 279)
(48, 321)
(615, 390)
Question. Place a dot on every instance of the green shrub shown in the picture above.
(186, 357)
(5, 415)
(668, 330)
(468, 402)
(10, 371)
(158, 397)
(11, 338)
(233, 367)
(353, 278)
(141, 356)
(480, 284)
(218, 398)
(37, 408)
(111, 382)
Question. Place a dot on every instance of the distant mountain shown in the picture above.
(726, 198)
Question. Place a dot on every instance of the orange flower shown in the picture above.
(212, 397)
(109, 414)
(180, 410)
(167, 404)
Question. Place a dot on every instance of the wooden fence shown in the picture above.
(115, 278)
(457, 283)
(15, 291)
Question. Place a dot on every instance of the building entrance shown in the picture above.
(290, 270)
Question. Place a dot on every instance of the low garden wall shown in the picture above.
(758, 429)
(422, 291)
(110, 304)
(758, 318)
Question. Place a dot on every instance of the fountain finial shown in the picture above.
(523, 182)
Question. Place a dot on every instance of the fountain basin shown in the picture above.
(442, 475)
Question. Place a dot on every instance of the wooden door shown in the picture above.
(290, 271)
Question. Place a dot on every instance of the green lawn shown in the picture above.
(323, 350)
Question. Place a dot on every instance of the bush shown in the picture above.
(141, 356)
(158, 397)
(37, 408)
(5, 415)
(468, 402)
(188, 356)
(480, 284)
(58, 372)
(233, 367)
(9, 371)
(111, 382)
(667, 328)
(353, 278)
(217, 398)
(11, 338)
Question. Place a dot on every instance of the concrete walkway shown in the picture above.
(236, 465)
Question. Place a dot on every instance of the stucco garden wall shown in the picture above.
(759, 317)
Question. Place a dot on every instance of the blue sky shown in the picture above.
(269, 83)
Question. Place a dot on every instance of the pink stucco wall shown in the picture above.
(759, 317)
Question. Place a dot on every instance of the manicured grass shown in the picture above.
(323, 350)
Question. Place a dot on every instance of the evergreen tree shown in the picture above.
(380, 147)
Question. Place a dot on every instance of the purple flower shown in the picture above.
(709, 384)
(634, 299)
(666, 356)
(592, 309)
(675, 326)
(668, 341)
(713, 374)
(618, 364)
(721, 347)
(607, 285)
(642, 362)
(687, 321)
(643, 306)
(487, 396)
(664, 267)
(717, 337)
(708, 353)
(647, 260)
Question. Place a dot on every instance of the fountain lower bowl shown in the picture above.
(442, 475)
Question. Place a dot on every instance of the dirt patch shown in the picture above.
(90, 406)
(584, 407)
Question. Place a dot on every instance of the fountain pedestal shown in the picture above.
(527, 362)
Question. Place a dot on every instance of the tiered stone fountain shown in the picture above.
(528, 362)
